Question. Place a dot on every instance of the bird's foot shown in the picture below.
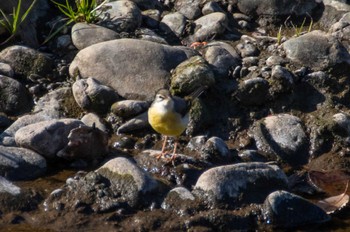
(162, 155)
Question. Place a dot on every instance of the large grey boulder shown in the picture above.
(84, 35)
(316, 49)
(20, 163)
(236, 184)
(46, 137)
(134, 68)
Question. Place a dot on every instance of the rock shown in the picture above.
(130, 79)
(275, 9)
(237, 184)
(4, 122)
(209, 26)
(84, 35)
(247, 49)
(58, 103)
(149, 35)
(189, 8)
(252, 156)
(316, 49)
(47, 137)
(147, 4)
(14, 98)
(128, 179)
(211, 7)
(281, 80)
(92, 119)
(13, 198)
(85, 143)
(7, 187)
(129, 108)
(254, 91)
(26, 61)
(282, 135)
(190, 75)
(180, 200)
(91, 95)
(137, 123)
(215, 150)
(20, 163)
(173, 23)
(342, 122)
(287, 210)
(7, 137)
(6, 70)
(222, 56)
(151, 18)
(122, 15)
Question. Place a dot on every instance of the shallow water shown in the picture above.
(340, 222)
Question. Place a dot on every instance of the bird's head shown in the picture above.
(164, 99)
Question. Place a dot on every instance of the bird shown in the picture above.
(169, 115)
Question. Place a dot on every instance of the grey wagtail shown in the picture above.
(169, 115)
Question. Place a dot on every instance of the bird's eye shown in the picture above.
(160, 97)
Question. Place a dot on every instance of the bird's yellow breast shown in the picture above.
(167, 123)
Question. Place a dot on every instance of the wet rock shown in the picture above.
(58, 103)
(13, 198)
(130, 79)
(288, 210)
(91, 95)
(122, 15)
(7, 138)
(281, 80)
(211, 7)
(319, 50)
(254, 91)
(209, 26)
(6, 70)
(85, 143)
(237, 184)
(189, 8)
(275, 9)
(128, 179)
(14, 98)
(282, 135)
(92, 119)
(129, 108)
(84, 35)
(252, 156)
(222, 56)
(173, 23)
(196, 143)
(26, 61)
(20, 163)
(190, 75)
(47, 137)
(151, 18)
(180, 200)
(215, 150)
(137, 123)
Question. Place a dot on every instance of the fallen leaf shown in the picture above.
(331, 182)
(334, 203)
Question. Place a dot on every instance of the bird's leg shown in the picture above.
(163, 152)
(173, 156)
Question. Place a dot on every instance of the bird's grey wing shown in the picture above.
(180, 105)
